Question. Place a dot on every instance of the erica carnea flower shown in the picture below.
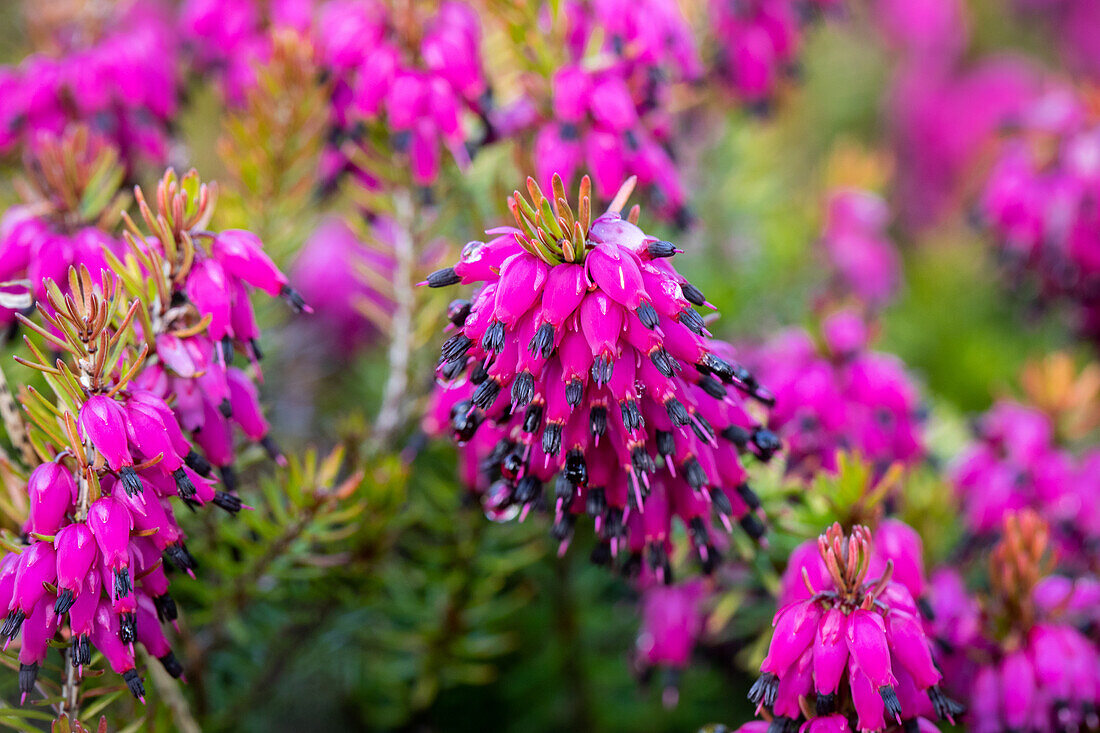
(672, 621)
(416, 74)
(1016, 463)
(1037, 201)
(72, 200)
(584, 348)
(604, 109)
(840, 396)
(198, 316)
(941, 117)
(101, 522)
(1023, 667)
(758, 44)
(893, 542)
(866, 262)
(853, 655)
(114, 70)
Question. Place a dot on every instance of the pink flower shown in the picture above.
(671, 623)
(866, 261)
(843, 397)
(854, 647)
(556, 346)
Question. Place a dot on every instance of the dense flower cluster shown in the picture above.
(864, 259)
(1017, 656)
(420, 90)
(100, 518)
(585, 351)
(608, 115)
(1038, 200)
(202, 317)
(854, 645)
(758, 43)
(942, 109)
(1015, 464)
(55, 230)
(115, 74)
(844, 397)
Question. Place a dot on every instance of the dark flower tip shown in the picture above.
(767, 443)
(945, 707)
(576, 471)
(274, 452)
(542, 342)
(227, 501)
(763, 691)
(890, 700)
(692, 294)
(171, 665)
(133, 681)
(597, 420)
(455, 348)
(458, 311)
(64, 602)
(225, 407)
(826, 703)
(753, 527)
(295, 300)
(443, 278)
(130, 480)
(28, 673)
(493, 340)
(227, 350)
(596, 502)
(184, 487)
(551, 439)
(123, 586)
(666, 443)
(752, 501)
(662, 249)
(647, 314)
(229, 477)
(198, 464)
(692, 320)
(166, 608)
(180, 557)
(127, 628)
(523, 389)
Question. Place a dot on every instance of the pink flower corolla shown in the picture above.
(758, 44)
(98, 561)
(193, 369)
(855, 646)
(587, 353)
(1016, 463)
(840, 397)
(672, 620)
(600, 126)
(941, 120)
(864, 258)
(1037, 199)
(122, 83)
(37, 248)
(332, 271)
(421, 93)
(1020, 662)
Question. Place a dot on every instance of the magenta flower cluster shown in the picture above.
(854, 646)
(864, 260)
(1025, 657)
(588, 358)
(121, 82)
(37, 247)
(1016, 463)
(101, 562)
(840, 396)
(194, 370)
(1038, 200)
(758, 43)
(421, 95)
(608, 116)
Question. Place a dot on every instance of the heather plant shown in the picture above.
(532, 528)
